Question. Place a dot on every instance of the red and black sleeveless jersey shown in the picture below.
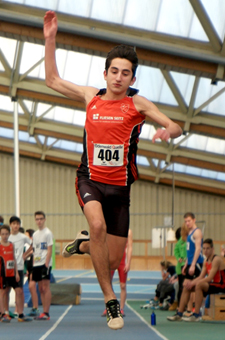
(220, 274)
(7, 254)
(111, 135)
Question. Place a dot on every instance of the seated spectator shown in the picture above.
(211, 280)
(213, 283)
(165, 288)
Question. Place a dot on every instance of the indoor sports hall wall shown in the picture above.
(50, 187)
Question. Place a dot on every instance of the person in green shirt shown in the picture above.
(180, 252)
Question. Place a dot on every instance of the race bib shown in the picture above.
(10, 264)
(37, 258)
(108, 154)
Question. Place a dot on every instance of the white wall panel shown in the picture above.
(50, 187)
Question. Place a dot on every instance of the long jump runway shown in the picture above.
(84, 321)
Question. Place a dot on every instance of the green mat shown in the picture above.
(179, 330)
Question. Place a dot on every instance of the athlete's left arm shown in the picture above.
(147, 108)
(48, 257)
(28, 252)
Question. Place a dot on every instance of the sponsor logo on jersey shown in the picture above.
(124, 107)
(94, 107)
(95, 115)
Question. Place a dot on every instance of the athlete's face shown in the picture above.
(15, 226)
(207, 250)
(119, 75)
(40, 221)
(190, 222)
(4, 235)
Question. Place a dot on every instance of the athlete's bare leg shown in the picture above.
(19, 300)
(33, 292)
(44, 288)
(199, 289)
(185, 296)
(123, 294)
(106, 250)
(2, 293)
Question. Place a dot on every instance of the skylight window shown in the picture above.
(7, 133)
(141, 160)
(25, 137)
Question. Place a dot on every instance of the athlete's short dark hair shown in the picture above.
(208, 241)
(123, 52)
(39, 212)
(14, 218)
(30, 232)
(189, 214)
(5, 226)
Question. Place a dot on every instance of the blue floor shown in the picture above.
(140, 284)
(84, 321)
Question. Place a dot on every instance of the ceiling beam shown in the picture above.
(207, 24)
(199, 61)
(202, 160)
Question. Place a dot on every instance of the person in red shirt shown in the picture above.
(9, 276)
(210, 281)
(114, 119)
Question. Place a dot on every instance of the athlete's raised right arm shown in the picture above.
(52, 78)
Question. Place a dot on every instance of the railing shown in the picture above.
(217, 245)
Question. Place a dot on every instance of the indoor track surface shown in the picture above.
(84, 321)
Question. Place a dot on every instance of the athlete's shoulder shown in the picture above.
(217, 262)
(144, 105)
(197, 232)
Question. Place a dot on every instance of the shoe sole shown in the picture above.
(116, 323)
(186, 320)
(174, 320)
(81, 237)
(19, 320)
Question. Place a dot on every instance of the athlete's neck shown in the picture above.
(5, 244)
(109, 95)
(210, 258)
(192, 229)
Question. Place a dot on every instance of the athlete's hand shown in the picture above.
(126, 268)
(184, 269)
(50, 25)
(44, 272)
(162, 134)
(191, 270)
(188, 285)
(17, 277)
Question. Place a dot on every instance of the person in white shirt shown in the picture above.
(19, 240)
(42, 247)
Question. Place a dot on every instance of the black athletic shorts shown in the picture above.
(41, 273)
(11, 282)
(198, 269)
(115, 201)
(215, 288)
